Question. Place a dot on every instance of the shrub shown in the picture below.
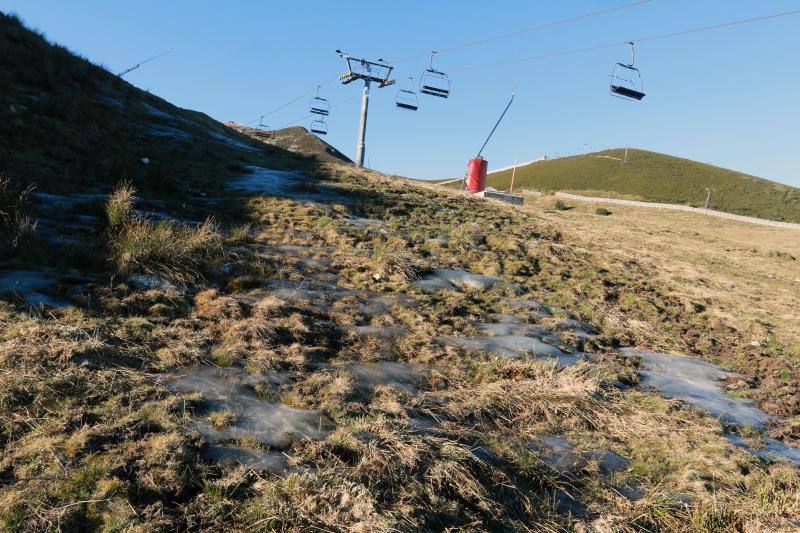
(13, 224)
(176, 252)
(560, 205)
(602, 211)
(119, 208)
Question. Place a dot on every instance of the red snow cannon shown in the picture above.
(476, 174)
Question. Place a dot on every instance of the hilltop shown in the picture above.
(231, 336)
(655, 177)
(295, 139)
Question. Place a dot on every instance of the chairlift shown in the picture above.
(319, 126)
(261, 124)
(625, 80)
(319, 106)
(434, 82)
(407, 98)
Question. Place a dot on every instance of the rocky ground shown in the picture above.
(358, 352)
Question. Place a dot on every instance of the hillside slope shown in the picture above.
(275, 343)
(295, 139)
(69, 125)
(657, 177)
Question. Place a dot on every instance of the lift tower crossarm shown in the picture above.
(370, 71)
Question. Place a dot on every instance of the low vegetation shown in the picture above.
(297, 296)
(655, 177)
(14, 224)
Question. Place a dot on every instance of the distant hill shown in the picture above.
(296, 139)
(655, 177)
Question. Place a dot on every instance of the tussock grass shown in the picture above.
(119, 208)
(14, 225)
(391, 260)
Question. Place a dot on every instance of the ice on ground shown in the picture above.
(147, 282)
(509, 329)
(381, 305)
(450, 279)
(560, 455)
(266, 181)
(383, 332)
(275, 462)
(286, 184)
(405, 376)
(31, 286)
(513, 346)
(697, 383)
(232, 142)
(272, 424)
(769, 449)
(25, 281)
(168, 132)
(157, 112)
(59, 201)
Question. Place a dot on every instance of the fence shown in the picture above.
(678, 207)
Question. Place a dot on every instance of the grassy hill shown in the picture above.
(655, 177)
(69, 125)
(295, 139)
(312, 346)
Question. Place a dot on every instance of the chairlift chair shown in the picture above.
(319, 126)
(319, 105)
(434, 82)
(625, 80)
(407, 98)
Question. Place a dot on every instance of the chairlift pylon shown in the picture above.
(625, 80)
(434, 82)
(407, 98)
(319, 105)
(319, 126)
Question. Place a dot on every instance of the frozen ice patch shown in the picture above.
(271, 424)
(266, 181)
(450, 279)
(697, 383)
(232, 142)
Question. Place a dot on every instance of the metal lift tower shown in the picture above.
(360, 69)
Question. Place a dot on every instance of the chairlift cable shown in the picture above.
(625, 42)
(481, 41)
(139, 64)
(527, 30)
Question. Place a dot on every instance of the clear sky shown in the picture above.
(728, 97)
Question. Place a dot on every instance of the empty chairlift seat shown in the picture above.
(625, 80)
(319, 127)
(434, 82)
(319, 106)
(407, 98)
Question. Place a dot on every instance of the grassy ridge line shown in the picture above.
(655, 177)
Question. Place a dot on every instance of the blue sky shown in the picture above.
(727, 97)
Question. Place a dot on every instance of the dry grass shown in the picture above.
(14, 225)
